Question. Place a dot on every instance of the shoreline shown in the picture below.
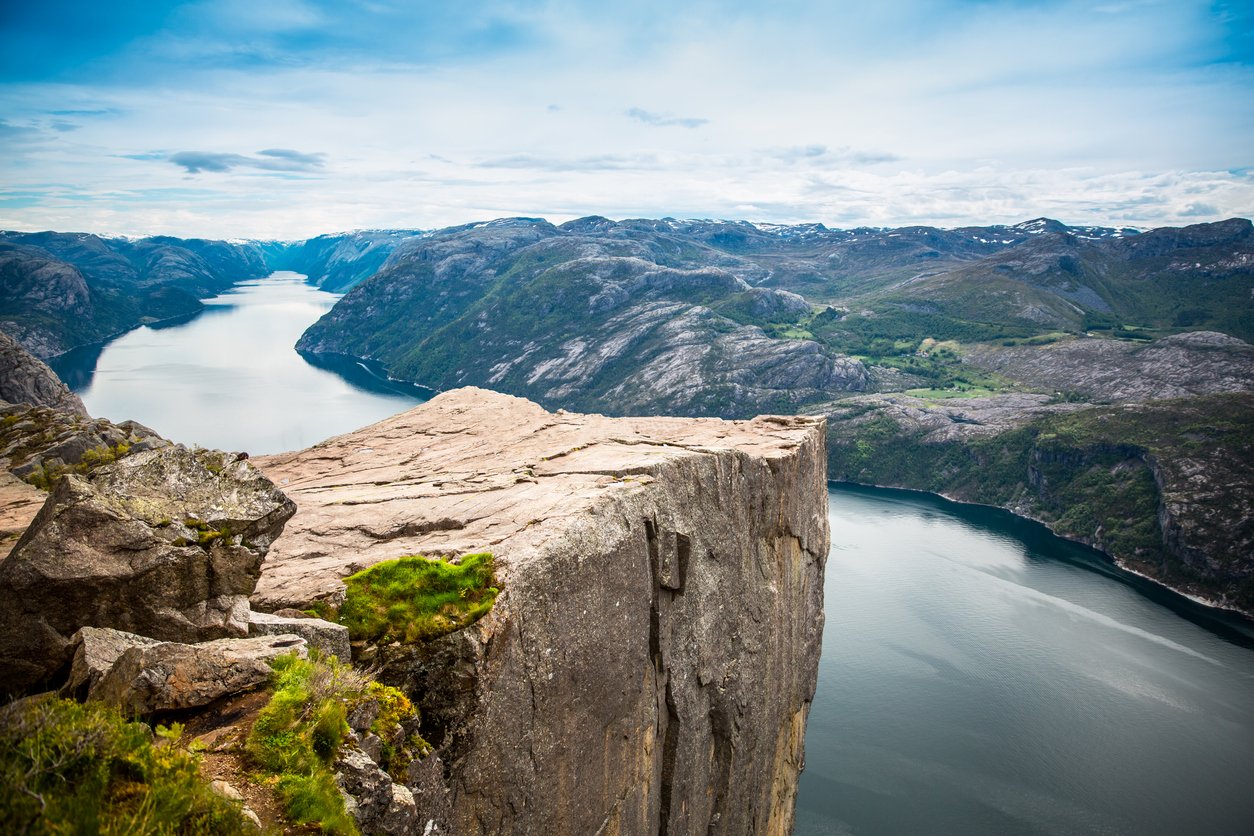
(1113, 561)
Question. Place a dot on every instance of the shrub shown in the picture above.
(71, 768)
(296, 736)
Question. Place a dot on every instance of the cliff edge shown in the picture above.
(651, 660)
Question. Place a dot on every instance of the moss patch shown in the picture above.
(417, 598)
(71, 768)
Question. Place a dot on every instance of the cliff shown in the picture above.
(649, 664)
(1165, 487)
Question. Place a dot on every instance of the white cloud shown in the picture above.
(880, 115)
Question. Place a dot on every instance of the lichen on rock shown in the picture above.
(123, 548)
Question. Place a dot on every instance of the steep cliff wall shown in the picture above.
(651, 661)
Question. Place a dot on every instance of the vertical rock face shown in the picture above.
(651, 661)
(25, 378)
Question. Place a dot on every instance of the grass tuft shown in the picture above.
(71, 768)
(417, 598)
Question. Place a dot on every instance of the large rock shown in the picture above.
(376, 803)
(25, 378)
(95, 650)
(166, 543)
(170, 676)
(650, 662)
(330, 638)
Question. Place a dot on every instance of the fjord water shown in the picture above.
(982, 676)
(230, 378)
(978, 674)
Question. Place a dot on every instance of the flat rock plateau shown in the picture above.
(650, 662)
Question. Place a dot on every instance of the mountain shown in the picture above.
(336, 262)
(61, 290)
(636, 322)
(986, 345)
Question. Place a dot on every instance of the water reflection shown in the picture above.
(982, 676)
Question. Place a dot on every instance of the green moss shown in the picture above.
(71, 768)
(417, 598)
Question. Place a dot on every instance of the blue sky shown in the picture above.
(288, 118)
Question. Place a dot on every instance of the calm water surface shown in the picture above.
(982, 676)
(978, 675)
(230, 378)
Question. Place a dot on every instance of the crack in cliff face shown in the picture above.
(665, 587)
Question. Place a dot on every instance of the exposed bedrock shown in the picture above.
(166, 543)
(650, 663)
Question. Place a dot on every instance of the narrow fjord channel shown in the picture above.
(978, 674)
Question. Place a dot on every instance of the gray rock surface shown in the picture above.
(95, 650)
(326, 636)
(166, 543)
(650, 663)
(26, 379)
(376, 803)
(38, 444)
(170, 676)
(1195, 363)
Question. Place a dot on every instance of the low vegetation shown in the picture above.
(46, 477)
(417, 598)
(70, 768)
(296, 736)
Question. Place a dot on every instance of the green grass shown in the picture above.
(70, 768)
(417, 598)
(958, 391)
(296, 736)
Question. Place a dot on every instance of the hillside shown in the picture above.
(61, 290)
(989, 334)
(625, 324)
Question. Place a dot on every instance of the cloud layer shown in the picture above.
(385, 113)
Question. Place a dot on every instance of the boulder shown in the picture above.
(170, 676)
(95, 650)
(376, 803)
(166, 543)
(330, 638)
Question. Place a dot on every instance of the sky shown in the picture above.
(292, 118)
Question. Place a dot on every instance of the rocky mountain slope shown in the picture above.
(62, 290)
(336, 262)
(24, 379)
(703, 317)
(649, 664)
(1164, 486)
(566, 316)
